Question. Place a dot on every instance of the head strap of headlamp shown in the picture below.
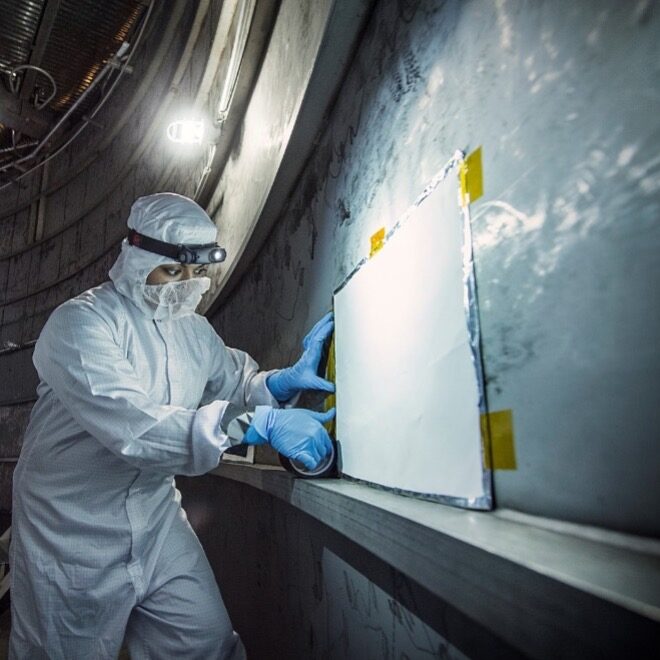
(208, 253)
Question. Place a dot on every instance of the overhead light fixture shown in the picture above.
(243, 22)
(186, 131)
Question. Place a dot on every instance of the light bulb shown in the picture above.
(186, 131)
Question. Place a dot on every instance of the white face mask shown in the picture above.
(175, 299)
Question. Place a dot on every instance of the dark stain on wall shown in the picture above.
(342, 211)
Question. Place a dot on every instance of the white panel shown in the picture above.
(407, 392)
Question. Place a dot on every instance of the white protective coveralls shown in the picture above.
(101, 547)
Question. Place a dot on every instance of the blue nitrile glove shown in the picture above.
(296, 433)
(303, 375)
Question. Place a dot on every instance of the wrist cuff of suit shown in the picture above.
(235, 424)
(278, 386)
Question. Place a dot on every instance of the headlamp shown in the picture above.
(209, 253)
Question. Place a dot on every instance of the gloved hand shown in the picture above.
(303, 375)
(296, 433)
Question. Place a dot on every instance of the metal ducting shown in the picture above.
(50, 53)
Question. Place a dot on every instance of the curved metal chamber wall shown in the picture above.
(564, 103)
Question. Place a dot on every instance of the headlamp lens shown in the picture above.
(217, 255)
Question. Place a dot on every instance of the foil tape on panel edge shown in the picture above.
(474, 333)
(484, 502)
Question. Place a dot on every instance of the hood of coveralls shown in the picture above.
(166, 217)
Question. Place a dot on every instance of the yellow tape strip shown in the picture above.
(377, 241)
(498, 439)
(471, 178)
(331, 400)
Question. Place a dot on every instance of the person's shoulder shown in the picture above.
(194, 320)
(203, 329)
(198, 323)
(101, 304)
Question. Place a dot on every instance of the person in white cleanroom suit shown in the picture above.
(134, 388)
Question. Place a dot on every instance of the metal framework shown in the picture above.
(51, 54)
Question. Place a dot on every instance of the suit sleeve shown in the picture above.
(79, 358)
(234, 376)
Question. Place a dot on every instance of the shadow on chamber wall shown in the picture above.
(295, 588)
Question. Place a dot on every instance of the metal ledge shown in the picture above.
(547, 593)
